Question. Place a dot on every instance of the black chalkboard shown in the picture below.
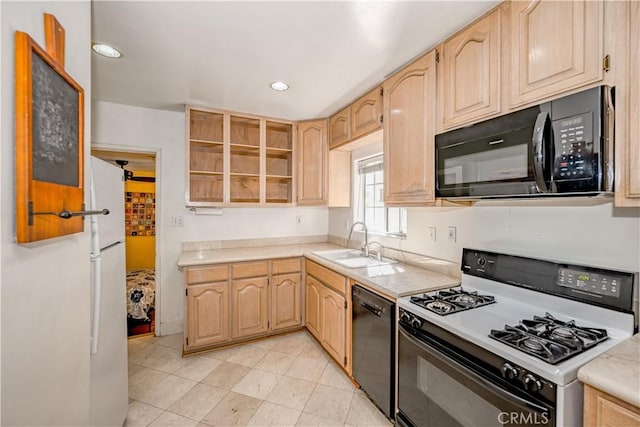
(55, 126)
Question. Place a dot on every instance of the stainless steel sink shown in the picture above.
(352, 258)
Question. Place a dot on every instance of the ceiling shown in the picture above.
(137, 161)
(225, 54)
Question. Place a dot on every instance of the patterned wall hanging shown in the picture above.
(140, 214)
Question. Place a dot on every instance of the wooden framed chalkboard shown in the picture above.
(49, 144)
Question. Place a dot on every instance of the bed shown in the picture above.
(141, 294)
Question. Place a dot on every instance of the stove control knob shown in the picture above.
(405, 317)
(509, 372)
(416, 322)
(482, 261)
(531, 383)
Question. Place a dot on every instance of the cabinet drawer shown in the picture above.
(330, 278)
(250, 269)
(207, 274)
(291, 265)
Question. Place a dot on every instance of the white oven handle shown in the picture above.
(490, 386)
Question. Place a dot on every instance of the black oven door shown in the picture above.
(436, 389)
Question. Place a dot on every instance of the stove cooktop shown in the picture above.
(452, 301)
(550, 339)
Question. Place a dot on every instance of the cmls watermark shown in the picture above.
(523, 418)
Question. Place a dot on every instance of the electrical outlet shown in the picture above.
(431, 232)
(177, 221)
(298, 219)
(451, 234)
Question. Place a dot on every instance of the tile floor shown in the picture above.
(281, 381)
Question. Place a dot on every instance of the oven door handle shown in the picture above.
(474, 376)
(538, 147)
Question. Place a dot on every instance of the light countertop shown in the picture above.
(392, 280)
(616, 372)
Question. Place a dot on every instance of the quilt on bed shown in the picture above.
(141, 293)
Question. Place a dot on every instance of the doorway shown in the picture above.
(140, 201)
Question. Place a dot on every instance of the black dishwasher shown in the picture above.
(373, 326)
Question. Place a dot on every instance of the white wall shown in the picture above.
(126, 127)
(595, 234)
(45, 293)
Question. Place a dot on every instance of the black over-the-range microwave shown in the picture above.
(560, 148)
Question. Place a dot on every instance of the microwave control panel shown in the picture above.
(574, 157)
(587, 281)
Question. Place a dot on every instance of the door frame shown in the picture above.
(159, 200)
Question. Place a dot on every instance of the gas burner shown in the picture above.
(440, 307)
(451, 301)
(550, 339)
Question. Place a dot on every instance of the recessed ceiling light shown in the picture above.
(279, 86)
(106, 50)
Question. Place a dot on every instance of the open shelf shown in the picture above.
(206, 188)
(278, 189)
(206, 126)
(245, 189)
(245, 131)
(206, 157)
(279, 135)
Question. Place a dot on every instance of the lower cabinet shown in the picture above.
(601, 409)
(227, 303)
(207, 314)
(250, 306)
(285, 301)
(326, 311)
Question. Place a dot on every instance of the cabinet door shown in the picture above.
(250, 306)
(632, 166)
(340, 128)
(313, 306)
(409, 111)
(469, 73)
(313, 155)
(285, 301)
(333, 326)
(555, 46)
(207, 314)
(601, 409)
(366, 112)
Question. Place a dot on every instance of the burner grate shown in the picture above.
(550, 339)
(452, 301)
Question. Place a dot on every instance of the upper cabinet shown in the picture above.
(313, 153)
(340, 128)
(556, 46)
(366, 113)
(627, 124)
(409, 119)
(233, 159)
(469, 73)
(361, 118)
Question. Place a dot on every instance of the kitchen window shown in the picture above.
(369, 206)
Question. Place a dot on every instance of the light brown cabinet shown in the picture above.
(285, 301)
(207, 315)
(313, 305)
(409, 119)
(313, 153)
(233, 159)
(602, 409)
(340, 128)
(628, 111)
(468, 73)
(556, 46)
(250, 306)
(366, 114)
(326, 311)
(227, 303)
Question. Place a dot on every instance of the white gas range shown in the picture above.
(505, 348)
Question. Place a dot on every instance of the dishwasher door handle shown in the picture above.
(378, 312)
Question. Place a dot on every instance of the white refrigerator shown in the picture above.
(109, 399)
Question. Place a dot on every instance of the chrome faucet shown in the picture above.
(365, 247)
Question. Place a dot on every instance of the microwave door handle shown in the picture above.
(538, 152)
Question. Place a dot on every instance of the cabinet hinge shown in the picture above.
(268, 324)
(381, 118)
(345, 305)
(345, 361)
(186, 292)
(437, 56)
(381, 91)
(606, 63)
(187, 341)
